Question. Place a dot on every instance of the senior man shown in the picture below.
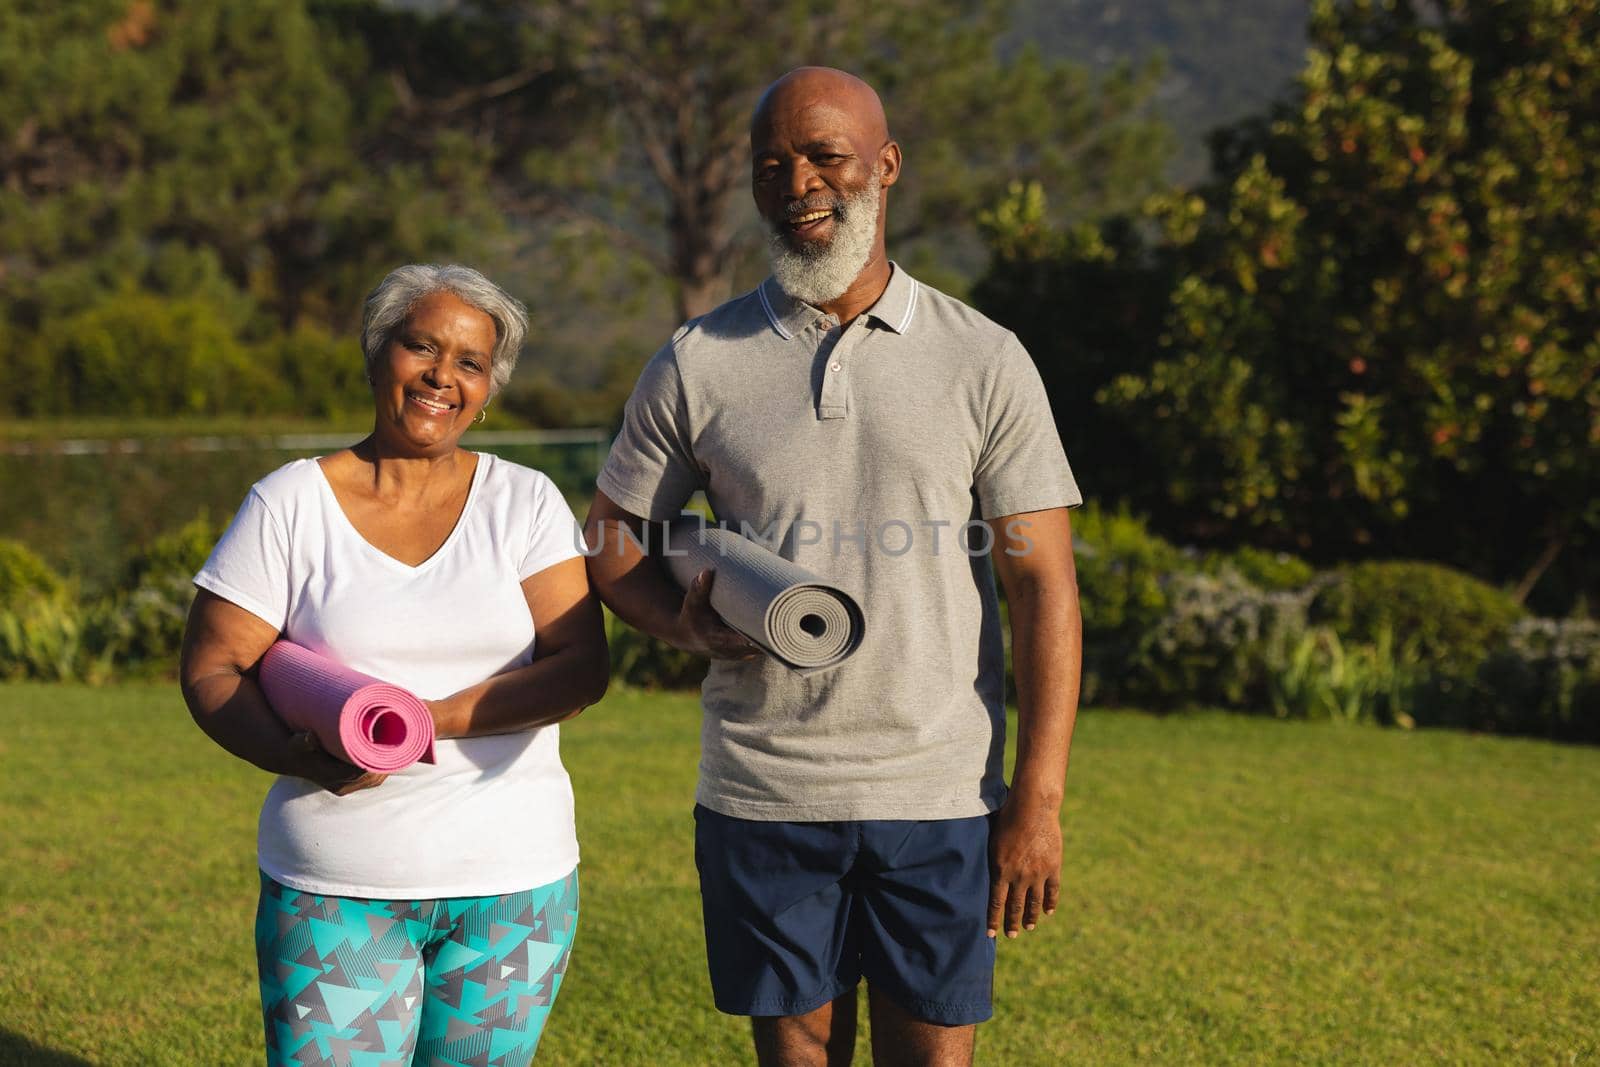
(854, 822)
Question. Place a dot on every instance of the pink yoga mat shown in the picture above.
(377, 726)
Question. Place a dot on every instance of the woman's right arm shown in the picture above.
(222, 644)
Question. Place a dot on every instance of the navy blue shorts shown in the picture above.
(797, 913)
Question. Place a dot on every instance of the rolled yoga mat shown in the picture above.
(377, 726)
(805, 622)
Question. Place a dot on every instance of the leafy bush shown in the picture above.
(1121, 572)
(139, 627)
(1543, 681)
(639, 659)
(1213, 643)
(138, 631)
(1272, 571)
(43, 640)
(137, 353)
(1317, 676)
(25, 577)
(311, 372)
(1451, 620)
(41, 628)
(180, 551)
(135, 630)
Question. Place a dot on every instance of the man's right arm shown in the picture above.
(637, 589)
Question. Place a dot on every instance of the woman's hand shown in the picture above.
(314, 763)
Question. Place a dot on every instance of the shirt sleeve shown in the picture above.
(651, 470)
(250, 564)
(1021, 466)
(555, 534)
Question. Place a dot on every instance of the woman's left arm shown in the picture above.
(570, 670)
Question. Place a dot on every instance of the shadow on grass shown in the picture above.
(18, 1051)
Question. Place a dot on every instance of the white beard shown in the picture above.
(819, 275)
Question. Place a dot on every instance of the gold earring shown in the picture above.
(481, 413)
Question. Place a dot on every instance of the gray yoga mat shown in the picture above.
(806, 623)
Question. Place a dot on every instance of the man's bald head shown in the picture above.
(806, 87)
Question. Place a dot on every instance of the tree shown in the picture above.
(221, 146)
(680, 79)
(1380, 323)
(198, 173)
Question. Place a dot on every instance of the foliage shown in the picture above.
(640, 660)
(1318, 676)
(1544, 680)
(680, 80)
(180, 551)
(41, 627)
(44, 640)
(1377, 328)
(546, 402)
(139, 630)
(1450, 619)
(139, 354)
(177, 225)
(133, 630)
(1042, 282)
(1122, 568)
(1211, 646)
(1158, 632)
(25, 577)
(1222, 60)
(310, 372)
(170, 201)
(1274, 571)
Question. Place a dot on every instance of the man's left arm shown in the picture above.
(1033, 555)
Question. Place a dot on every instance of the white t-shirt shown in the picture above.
(494, 814)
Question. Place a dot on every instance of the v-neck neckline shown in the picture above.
(455, 531)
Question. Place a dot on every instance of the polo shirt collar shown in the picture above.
(789, 317)
(898, 304)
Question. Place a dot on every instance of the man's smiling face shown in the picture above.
(810, 160)
(820, 159)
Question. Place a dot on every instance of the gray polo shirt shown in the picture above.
(866, 454)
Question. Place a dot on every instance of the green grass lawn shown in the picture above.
(1237, 890)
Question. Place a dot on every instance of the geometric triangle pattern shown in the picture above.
(469, 981)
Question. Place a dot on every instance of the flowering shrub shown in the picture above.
(1544, 679)
(1214, 642)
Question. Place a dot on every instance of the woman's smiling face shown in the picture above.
(433, 378)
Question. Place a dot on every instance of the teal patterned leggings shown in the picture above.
(391, 983)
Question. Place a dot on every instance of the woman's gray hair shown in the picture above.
(388, 305)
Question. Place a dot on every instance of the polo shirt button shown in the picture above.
(833, 366)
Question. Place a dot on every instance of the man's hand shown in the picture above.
(329, 771)
(702, 631)
(1024, 865)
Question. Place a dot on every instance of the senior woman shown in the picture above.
(425, 916)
